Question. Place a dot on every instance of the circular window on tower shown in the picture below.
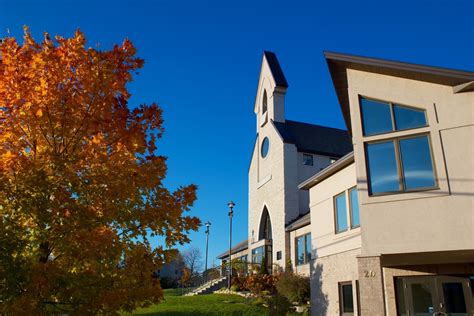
(265, 147)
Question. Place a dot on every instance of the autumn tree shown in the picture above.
(81, 183)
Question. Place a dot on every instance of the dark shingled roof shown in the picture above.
(300, 221)
(237, 248)
(315, 139)
(275, 68)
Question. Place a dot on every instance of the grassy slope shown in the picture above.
(212, 304)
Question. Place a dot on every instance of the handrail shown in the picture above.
(239, 269)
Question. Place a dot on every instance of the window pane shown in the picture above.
(417, 164)
(354, 208)
(308, 247)
(454, 298)
(257, 255)
(300, 250)
(376, 117)
(406, 117)
(347, 300)
(383, 175)
(341, 213)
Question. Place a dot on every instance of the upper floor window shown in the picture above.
(303, 249)
(341, 213)
(380, 117)
(399, 165)
(264, 102)
(307, 159)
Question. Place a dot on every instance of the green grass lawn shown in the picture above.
(212, 304)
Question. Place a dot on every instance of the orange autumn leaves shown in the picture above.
(81, 185)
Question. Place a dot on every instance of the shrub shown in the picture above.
(296, 288)
(239, 283)
(257, 283)
(168, 283)
(278, 305)
(234, 288)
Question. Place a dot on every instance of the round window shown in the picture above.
(265, 147)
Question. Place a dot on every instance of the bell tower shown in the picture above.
(272, 86)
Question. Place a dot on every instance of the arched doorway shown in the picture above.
(264, 252)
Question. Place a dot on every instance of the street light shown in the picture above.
(208, 224)
(231, 205)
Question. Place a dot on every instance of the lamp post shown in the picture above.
(231, 205)
(208, 224)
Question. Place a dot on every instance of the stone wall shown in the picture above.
(326, 274)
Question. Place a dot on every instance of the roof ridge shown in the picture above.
(318, 125)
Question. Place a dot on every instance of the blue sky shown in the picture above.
(202, 61)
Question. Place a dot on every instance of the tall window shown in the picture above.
(346, 214)
(398, 164)
(346, 300)
(303, 249)
(354, 208)
(264, 102)
(341, 212)
(265, 226)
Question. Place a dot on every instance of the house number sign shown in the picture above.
(369, 273)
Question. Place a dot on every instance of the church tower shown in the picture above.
(285, 154)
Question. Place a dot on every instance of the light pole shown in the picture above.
(231, 205)
(208, 224)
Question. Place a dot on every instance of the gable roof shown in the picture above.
(315, 139)
(276, 70)
(339, 63)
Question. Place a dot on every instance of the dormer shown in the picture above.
(272, 85)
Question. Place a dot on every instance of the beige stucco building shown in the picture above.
(412, 128)
(389, 215)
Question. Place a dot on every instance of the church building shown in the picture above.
(285, 154)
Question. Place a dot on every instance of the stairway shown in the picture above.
(209, 287)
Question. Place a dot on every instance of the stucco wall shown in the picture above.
(435, 220)
(325, 241)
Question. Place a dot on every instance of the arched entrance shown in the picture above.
(264, 252)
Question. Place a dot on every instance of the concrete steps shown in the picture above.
(209, 287)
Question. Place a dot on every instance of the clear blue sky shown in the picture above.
(202, 60)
